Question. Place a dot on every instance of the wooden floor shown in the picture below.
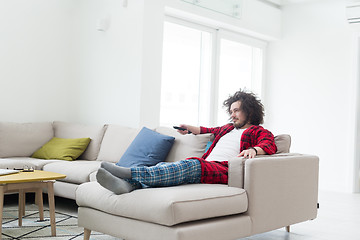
(338, 219)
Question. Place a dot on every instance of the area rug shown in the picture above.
(33, 228)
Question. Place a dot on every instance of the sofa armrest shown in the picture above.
(236, 172)
(282, 190)
(237, 166)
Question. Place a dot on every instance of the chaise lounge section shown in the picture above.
(263, 194)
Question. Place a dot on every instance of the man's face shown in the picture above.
(237, 115)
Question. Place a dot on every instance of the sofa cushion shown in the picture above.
(74, 130)
(24, 162)
(115, 142)
(23, 139)
(185, 146)
(167, 206)
(283, 142)
(76, 171)
(62, 148)
(147, 149)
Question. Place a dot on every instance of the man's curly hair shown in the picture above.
(250, 105)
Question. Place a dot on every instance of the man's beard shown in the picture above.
(239, 125)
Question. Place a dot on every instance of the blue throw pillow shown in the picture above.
(147, 149)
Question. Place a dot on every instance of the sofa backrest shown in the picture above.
(23, 139)
(108, 142)
(116, 140)
(283, 143)
(185, 146)
(75, 130)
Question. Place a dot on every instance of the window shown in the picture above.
(186, 75)
(201, 68)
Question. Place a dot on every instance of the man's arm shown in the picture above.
(195, 130)
(265, 143)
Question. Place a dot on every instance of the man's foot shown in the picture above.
(121, 172)
(113, 183)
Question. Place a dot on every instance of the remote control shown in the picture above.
(182, 129)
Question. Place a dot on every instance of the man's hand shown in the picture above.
(249, 153)
(252, 152)
(183, 132)
(193, 129)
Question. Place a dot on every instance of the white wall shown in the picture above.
(311, 89)
(56, 65)
(108, 75)
(152, 63)
(120, 69)
(35, 60)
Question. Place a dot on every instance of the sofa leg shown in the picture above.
(287, 228)
(87, 233)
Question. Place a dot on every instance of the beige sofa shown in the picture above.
(264, 193)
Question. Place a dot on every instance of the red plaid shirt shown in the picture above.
(254, 136)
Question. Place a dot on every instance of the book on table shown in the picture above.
(8, 171)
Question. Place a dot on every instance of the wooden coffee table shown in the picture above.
(35, 181)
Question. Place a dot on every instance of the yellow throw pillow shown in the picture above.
(62, 148)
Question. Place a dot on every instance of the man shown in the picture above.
(242, 138)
